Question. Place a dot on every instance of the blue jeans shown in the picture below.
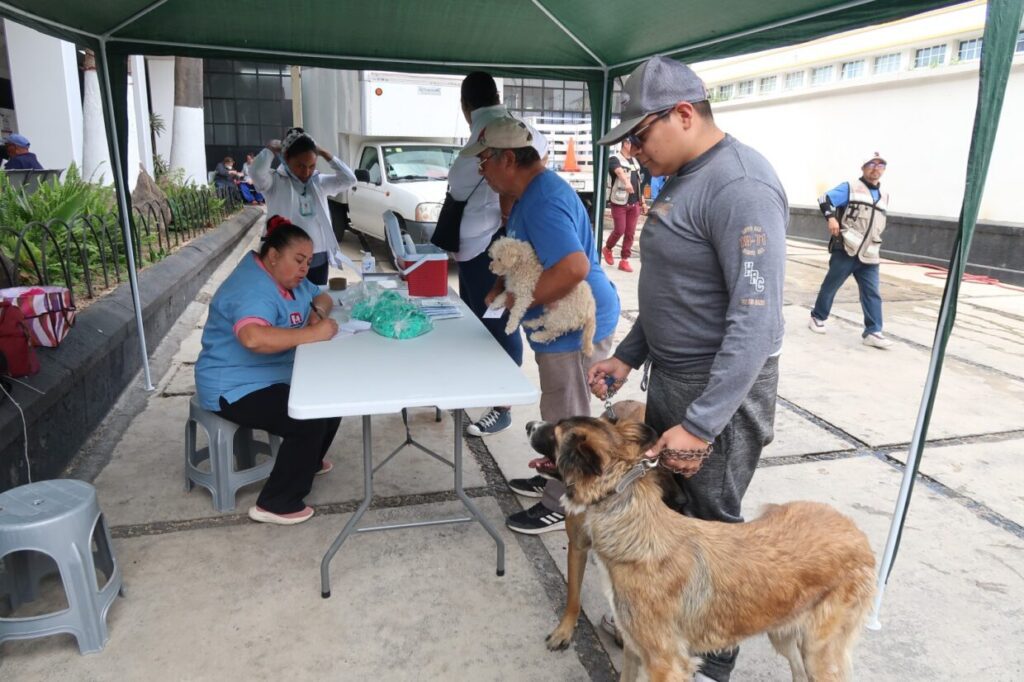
(840, 267)
(475, 281)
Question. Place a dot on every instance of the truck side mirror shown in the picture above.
(362, 175)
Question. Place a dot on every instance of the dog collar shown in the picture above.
(638, 471)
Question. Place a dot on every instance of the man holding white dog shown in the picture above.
(709, 295)
(551, 218)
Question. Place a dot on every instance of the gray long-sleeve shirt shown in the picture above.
(710, 290)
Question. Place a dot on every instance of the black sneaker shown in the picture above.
(529, 487)
(536, 520)
(495, 421)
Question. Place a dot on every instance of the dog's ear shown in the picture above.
(636, 432)
(574, 452)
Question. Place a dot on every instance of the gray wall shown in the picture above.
(997, 249)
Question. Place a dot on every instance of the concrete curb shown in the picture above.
(82, 379)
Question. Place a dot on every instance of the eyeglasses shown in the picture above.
(875, 164)
(481, 160)
(634, 137)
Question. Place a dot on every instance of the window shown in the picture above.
(794, 80)
(370, 163)
(1020, 42)
(767, 84)
(887, 63)
(822, 75)
(419, 162)
(969, 50)
(930, 56)
(745, 88)
(245, 104)
(724, 92)
(567, 100)
(852, 70)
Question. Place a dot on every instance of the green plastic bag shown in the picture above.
(393, 316)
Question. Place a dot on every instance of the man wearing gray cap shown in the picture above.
(709, 294)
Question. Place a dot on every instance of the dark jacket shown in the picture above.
(24, 161)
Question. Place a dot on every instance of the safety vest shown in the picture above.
(862, 222)
(620, 191)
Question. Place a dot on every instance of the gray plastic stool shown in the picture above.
(60, 519)
(228, 441)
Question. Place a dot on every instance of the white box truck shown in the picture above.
(399, 132)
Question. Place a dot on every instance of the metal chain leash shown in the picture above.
(612, 386)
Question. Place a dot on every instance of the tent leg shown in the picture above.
(122, 203)
(1002, 19)
(599, 155)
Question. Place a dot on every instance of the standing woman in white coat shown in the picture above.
(298, 191)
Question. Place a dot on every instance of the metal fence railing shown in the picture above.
(88, 254)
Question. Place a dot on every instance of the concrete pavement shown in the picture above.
(214, 596)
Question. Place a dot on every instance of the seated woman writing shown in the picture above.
(261, 312)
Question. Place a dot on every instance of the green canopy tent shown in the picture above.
(589, 40)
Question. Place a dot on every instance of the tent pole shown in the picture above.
(910, 470)
(1002, 21)
(122, 204)
(599, 155)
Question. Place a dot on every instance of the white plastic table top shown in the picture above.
(456, 365)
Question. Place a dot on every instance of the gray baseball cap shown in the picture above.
(655, 86)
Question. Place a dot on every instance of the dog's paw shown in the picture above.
(558, 640)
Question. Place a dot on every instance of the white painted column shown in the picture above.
(132, 141)
(139, 93)
(96, 165)
(188, 145)
(161, 94)
(47, 99)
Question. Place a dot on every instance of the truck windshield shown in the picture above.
(408, 164)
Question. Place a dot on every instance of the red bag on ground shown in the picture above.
(49, 312)
(16, 342)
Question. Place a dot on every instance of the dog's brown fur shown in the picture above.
(802, 572)
(579, 543)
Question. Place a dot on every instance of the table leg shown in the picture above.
(465, 499)
(325, 576)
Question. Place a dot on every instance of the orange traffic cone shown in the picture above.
(571, 165)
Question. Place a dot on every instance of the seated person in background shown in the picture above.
(18, 155)
(225, 176)
(261, 312)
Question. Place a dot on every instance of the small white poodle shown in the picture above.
(516, 261)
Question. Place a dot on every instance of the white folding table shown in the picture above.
(457, 365)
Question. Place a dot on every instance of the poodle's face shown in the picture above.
(507, 254)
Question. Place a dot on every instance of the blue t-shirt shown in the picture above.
(840, 194)
(225, 367)
(554, 221)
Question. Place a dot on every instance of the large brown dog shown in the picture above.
(543, 442)
(802, 572)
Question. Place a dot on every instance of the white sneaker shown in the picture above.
(876, 340)
(816, 325)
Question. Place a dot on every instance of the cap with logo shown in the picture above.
(654, 86)
(875, 156)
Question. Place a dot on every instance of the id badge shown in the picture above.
(305, 205)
